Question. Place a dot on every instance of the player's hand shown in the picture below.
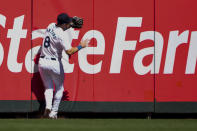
(84, 43)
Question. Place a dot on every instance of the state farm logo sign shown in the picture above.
(120, 45)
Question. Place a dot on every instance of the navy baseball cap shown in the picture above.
(63, 18)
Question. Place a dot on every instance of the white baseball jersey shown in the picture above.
(54, 42)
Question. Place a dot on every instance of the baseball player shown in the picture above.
(50, 66)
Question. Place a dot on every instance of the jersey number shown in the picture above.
(47, 42)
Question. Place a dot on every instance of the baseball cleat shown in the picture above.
(53, 115)
(46, 113)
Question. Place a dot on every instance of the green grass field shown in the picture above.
(98, 125)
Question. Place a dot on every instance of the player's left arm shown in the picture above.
(82, 44)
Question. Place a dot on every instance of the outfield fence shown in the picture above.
(141, 58)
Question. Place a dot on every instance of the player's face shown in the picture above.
(66, 26)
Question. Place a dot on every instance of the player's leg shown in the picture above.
(48, 84)
(58, 79)
(56, 101)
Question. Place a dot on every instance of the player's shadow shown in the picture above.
(37, 90)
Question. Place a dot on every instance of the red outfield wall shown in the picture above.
(142, 55)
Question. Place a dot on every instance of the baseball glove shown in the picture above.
(77, 22)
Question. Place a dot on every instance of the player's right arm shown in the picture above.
(73, 50)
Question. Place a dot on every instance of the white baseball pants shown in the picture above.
(52, 73)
